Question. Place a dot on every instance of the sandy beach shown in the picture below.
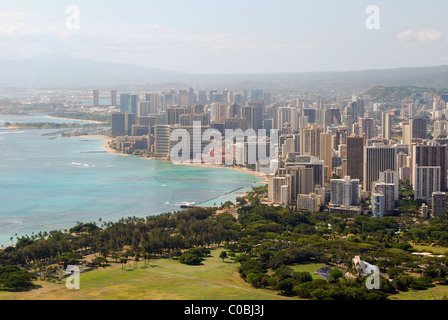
(60, 118)
(106, 147)
(204, 165)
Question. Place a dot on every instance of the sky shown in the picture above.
(245, 36)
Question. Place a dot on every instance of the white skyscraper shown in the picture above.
(344, 192)
(425, 181)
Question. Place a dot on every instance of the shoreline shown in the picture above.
(60, 118)
(106, 147)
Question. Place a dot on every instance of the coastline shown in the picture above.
(239, 169)
(106, 147)
(60, 118)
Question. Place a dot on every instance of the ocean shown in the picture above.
(49, 182)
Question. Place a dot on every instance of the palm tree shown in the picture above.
(136, 258)
(123, 261)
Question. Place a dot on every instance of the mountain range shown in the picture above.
(66, 71)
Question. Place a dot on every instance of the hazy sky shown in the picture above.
(245, 36)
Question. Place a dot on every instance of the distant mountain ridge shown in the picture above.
(381, 92)
(63, 70)
(67, 71)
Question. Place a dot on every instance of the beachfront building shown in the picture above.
(162, 143)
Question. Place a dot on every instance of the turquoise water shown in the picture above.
(47, 181)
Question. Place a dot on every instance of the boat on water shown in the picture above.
(186, 205)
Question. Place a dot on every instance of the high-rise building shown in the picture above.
(234, 111)
(418, 128)
(171, 99)
(133, 104)
(143, 109)
(310, 141)
(217, 97)
(309, 202)
(331, 116)
(313, 163)
(344, 192)
(173, 114)
(401, 159)
(388, 191)
(377, 202)
(392, 177)
(310, 113)
(433, 155)
(287, 117)
(191, 97)
(387, 122)
(355, 157)
(118, 124)
(255, 151)
(202, 97)
(438, 203)
(274, 189)
(366, 127)
(253, 113)
(425, 181)
(219, 112)
(125, 102)
(424, 211)
(155, 102)
(300, 180)
(336, 192)
(288, 147)
(326, 152)
(162, 142)
(355, 108)
(122, 123)
(257, 95)
(96, 98)
(377, 158)
(113, 98)
(439, 129)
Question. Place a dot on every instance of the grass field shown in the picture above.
(309, 267)
(435, 293)
(432, 249)
(162, 279)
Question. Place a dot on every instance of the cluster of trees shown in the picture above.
(277, 238)
(106, 118)
(128, 239)
(47, 125)
(265, 241)
(15, 278)
(192, 256)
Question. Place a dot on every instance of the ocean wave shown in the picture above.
(10, 131)
(85, 165)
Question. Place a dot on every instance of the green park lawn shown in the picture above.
(309, 267)
(432, 249)
(160, 279)
(434, 293)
